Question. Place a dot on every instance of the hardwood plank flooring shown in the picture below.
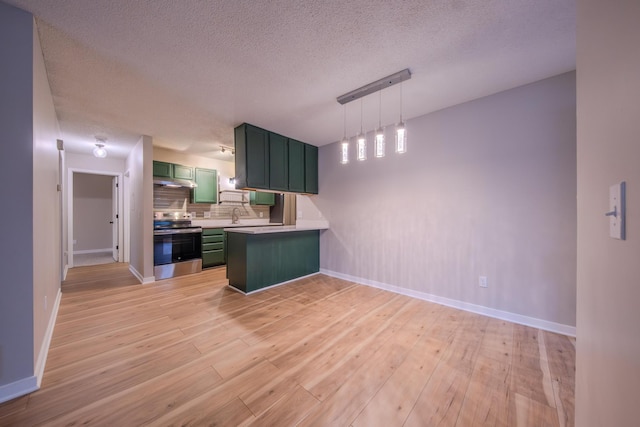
(316, 352)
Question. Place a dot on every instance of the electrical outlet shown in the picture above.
(261, 215)
(483, 282)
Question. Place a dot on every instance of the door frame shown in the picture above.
(121, 242)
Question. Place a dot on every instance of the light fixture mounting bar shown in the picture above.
(372, 87)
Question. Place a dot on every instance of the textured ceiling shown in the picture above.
(187, 72)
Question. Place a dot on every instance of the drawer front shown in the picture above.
(212, 232)
(211, 258)
(212, 239)
(212, 246)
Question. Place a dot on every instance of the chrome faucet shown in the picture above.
(235, 215)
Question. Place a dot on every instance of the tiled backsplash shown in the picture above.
(168, 199)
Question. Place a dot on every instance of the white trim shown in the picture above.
(44, 348)
(64, 274)
(93, 251)
(474, 308)
(18, 388)
(141, 279)
(273, 286)
(69, 189)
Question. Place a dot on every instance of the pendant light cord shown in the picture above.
(380, 109)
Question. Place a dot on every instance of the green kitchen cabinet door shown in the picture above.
(182, 172)
(207, 189)
(278, 162)
(162, 169)
(262, 198)
(310, 169)
(296, 166)
(252, 157)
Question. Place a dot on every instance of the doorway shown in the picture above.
(95, 228)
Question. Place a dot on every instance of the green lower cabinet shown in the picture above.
(262, 198)
(213, 247)
(256, 261)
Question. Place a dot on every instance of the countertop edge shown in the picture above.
(274, 229)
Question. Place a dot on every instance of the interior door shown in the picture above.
(114, 216)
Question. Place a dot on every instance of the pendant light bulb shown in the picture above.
(379, 143)
(401, 131)
(344, 144)
(361, 139)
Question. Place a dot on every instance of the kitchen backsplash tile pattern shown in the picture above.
(169, 199)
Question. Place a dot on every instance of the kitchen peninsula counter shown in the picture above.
(259, 257)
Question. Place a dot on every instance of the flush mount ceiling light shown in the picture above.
(379, 142)
(99, 151)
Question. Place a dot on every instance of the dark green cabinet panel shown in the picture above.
(262, 198)
(162, 169)
(278, 162)
(266, 160)
(182, 172)
(252, 157)
(255, 261)
(296, 166)
(207, 189)
(213, 247)
(311, 169)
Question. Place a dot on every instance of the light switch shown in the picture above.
(616, 212)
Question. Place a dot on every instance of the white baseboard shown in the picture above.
(93, 251)
(44, 348)
(474, 308)
(18, 388)
(140, 277)
(64, 273)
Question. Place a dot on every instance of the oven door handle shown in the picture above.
(177, 231)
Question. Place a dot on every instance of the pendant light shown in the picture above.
(344, 145)
(362, 139)
(401, 131)
(379, 144)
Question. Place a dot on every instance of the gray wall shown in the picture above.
(47, 221)
(608, 348)
(16, 167)
(92, 211)
(487, 188)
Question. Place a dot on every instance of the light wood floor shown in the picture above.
(320, 351)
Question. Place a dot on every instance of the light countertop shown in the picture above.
(226, 223)
(275, 229)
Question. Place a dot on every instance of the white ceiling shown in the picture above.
(187, 72)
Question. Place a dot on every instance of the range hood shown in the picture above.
(174, 182)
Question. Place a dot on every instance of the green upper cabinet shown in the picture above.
(182, 172)
(252, 157)
(296, 166)
(171, 170)
(207, 189)
(278, 163)
(162, 169)
(310, 169)
(266, 160)
(262, 198)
